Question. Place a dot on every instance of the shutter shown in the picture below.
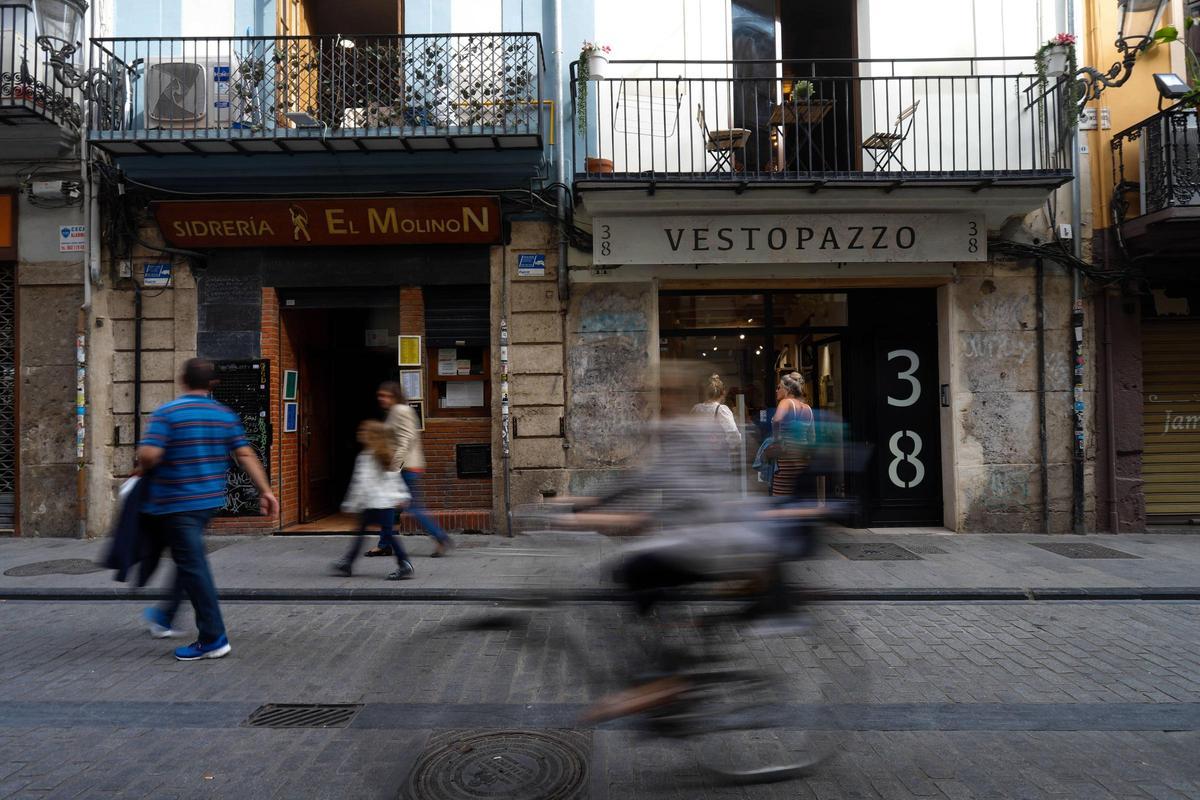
(8, 397)
(457, 315)
(1171, 419)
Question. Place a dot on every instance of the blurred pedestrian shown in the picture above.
(376, 491)
(409, 459)
(185, 454)
(727, 439)
(792, 430)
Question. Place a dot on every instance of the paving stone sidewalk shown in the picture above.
(937, 565)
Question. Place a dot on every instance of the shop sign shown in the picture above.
(330, 222)
(791, 238)
(72, 239)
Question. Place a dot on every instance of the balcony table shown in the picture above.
(804, 115)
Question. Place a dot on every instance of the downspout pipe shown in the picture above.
(1044, 445)
(562, 171)
(90, 209)
(1110, 422)
(1077, 320)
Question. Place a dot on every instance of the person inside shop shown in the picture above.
(727, 439)
(792, 431)
(409, 459)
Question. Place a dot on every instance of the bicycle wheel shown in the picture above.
(754, 722)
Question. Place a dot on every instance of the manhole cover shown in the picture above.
(302, 715)
(926, 549)
(1083, 550)
(59, 566)
(516, 765)
(875, 551)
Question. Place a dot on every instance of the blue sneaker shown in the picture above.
(156, 622)
(198, 650)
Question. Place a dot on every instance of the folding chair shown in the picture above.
(722, 144)
(884, 147)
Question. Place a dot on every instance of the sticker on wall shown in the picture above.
(156, 275)
(291, 414)
(410, 351)
(531, 265)
(72, 239)
(291, 381)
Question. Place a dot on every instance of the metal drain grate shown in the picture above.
(926, 549)
(875, 551)
(481, 765)
(1083, 550)
(303, 715)
(59, 566)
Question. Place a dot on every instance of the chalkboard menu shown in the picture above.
(244, 386)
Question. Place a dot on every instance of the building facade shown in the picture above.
(752, 185)
(1146, 207)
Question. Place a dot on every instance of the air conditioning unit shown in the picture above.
(186, 94)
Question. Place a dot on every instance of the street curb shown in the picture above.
(614, 595)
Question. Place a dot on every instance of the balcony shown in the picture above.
(321, 94)
(1156, 179)
(976, 123)
(30, 98)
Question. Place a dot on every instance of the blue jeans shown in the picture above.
(413, 480)
(385, 518)
(184, 534)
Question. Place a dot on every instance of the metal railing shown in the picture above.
(325, 86)
(1156, 164)
(27, 83)
(895, 119)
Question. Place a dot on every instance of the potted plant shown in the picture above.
(1057, 56)
(593, 60)
(802, 91)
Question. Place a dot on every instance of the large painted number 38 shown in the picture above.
(900, 456)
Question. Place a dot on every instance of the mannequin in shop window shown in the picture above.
(792, 428)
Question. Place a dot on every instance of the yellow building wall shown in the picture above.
(1127, 105)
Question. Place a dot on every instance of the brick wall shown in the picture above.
(442, 488)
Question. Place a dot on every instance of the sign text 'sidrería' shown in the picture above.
(351, 221)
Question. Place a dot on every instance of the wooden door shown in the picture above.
(318, 492)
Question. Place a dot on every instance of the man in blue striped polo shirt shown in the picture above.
(186, 453)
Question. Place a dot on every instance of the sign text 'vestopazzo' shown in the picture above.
(749, 239)
(330, 222)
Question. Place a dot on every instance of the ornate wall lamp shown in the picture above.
(1135, 32)
(60, 27)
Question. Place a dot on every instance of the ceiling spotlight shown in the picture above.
(741, 336)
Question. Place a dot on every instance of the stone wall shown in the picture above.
(534, 313)
(168, 339)
(991, 319)
(49, 294)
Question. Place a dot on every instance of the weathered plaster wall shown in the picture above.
(992, 322)
(534, 313)
(612, 367)
(49, 296)
(1124, 407)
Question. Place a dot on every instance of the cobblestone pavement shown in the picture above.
(968, 700)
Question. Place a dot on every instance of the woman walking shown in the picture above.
(376, 490)
(409, 459)
(792, 427)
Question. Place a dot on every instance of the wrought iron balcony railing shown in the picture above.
(28, 89)
(978, 121)
(1156, 164)
(313, 93)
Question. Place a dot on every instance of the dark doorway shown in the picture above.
(818, 39)
(343, 354)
